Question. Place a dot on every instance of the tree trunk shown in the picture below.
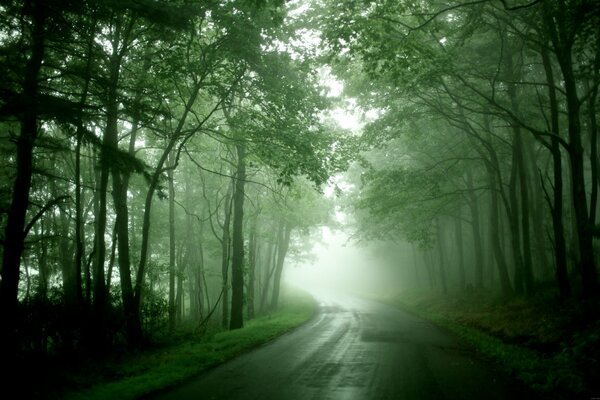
(416, 266)
(495, 234)
(225, 257)
(172, 141)
(556, 206)
(119, 193)
(252, 255)
(237, 242)
(14, 236)
(282, 249)
(515, 228)
(476, 227)
(43, 268)
(72, 288)
(269, 268)
(560, 34)
(442, 267)
(462, 279)
(182, 262)
(132, 316)
(519, 163)
(172, 304)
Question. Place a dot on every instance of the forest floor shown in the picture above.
(552, 345)
(168, 363)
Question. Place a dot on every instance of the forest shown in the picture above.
(166, 162)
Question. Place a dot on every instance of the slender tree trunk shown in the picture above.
(462, 280)
(132, 316)
(99, 284)
(593, 158)
(74, 296)
(515, 228)
(43, 268)
(173, 140)
(120, 179)
(41, 295)
(562, 41)
(172, 304)
(94, 176)
(200, 280)
(416, 266)
(65, 247)
(205, 286)
(14, 236)
(237, 242)
(281, 253)
(518, 159)
(252, 255)
(476, 227)
(269, 268)
(119, 193)
(226, 257)
(441, 265)
(109, 143)
(183, 260)
(586, 251)
(556, 206)
(495, 234)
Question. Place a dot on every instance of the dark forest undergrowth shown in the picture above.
(163, 363)
(550, 344)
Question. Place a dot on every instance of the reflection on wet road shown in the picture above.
(355, 349)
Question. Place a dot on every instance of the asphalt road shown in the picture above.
(355, 349)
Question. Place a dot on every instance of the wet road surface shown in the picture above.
(355, 349)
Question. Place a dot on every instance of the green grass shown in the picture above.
(549, 346)
(148, 372)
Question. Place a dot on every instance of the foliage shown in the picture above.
(541, 349)
(134, 376)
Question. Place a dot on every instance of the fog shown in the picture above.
(340, 264)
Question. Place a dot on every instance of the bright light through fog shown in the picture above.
(346, 119)
(339, 264)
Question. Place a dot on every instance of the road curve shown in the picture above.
(355, 349)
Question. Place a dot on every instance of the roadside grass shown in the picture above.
(134, 376)
(550, 345)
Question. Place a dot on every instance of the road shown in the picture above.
(355, 349)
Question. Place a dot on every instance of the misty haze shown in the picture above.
(299, 199)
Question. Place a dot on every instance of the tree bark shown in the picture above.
(172, 304)
(176, 137)
(282, 249)
(462, 279)
(495, 233)
(556, 206)
(441, 265)
(119, 193)
(269, 267)
(476, 227)
(14, 236)
(252, 256)
(226, 257)
(237, 242)
(563, 41)
(515, 228)
(521, 170)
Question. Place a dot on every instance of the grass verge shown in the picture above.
(147, 372)
(551, 346)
